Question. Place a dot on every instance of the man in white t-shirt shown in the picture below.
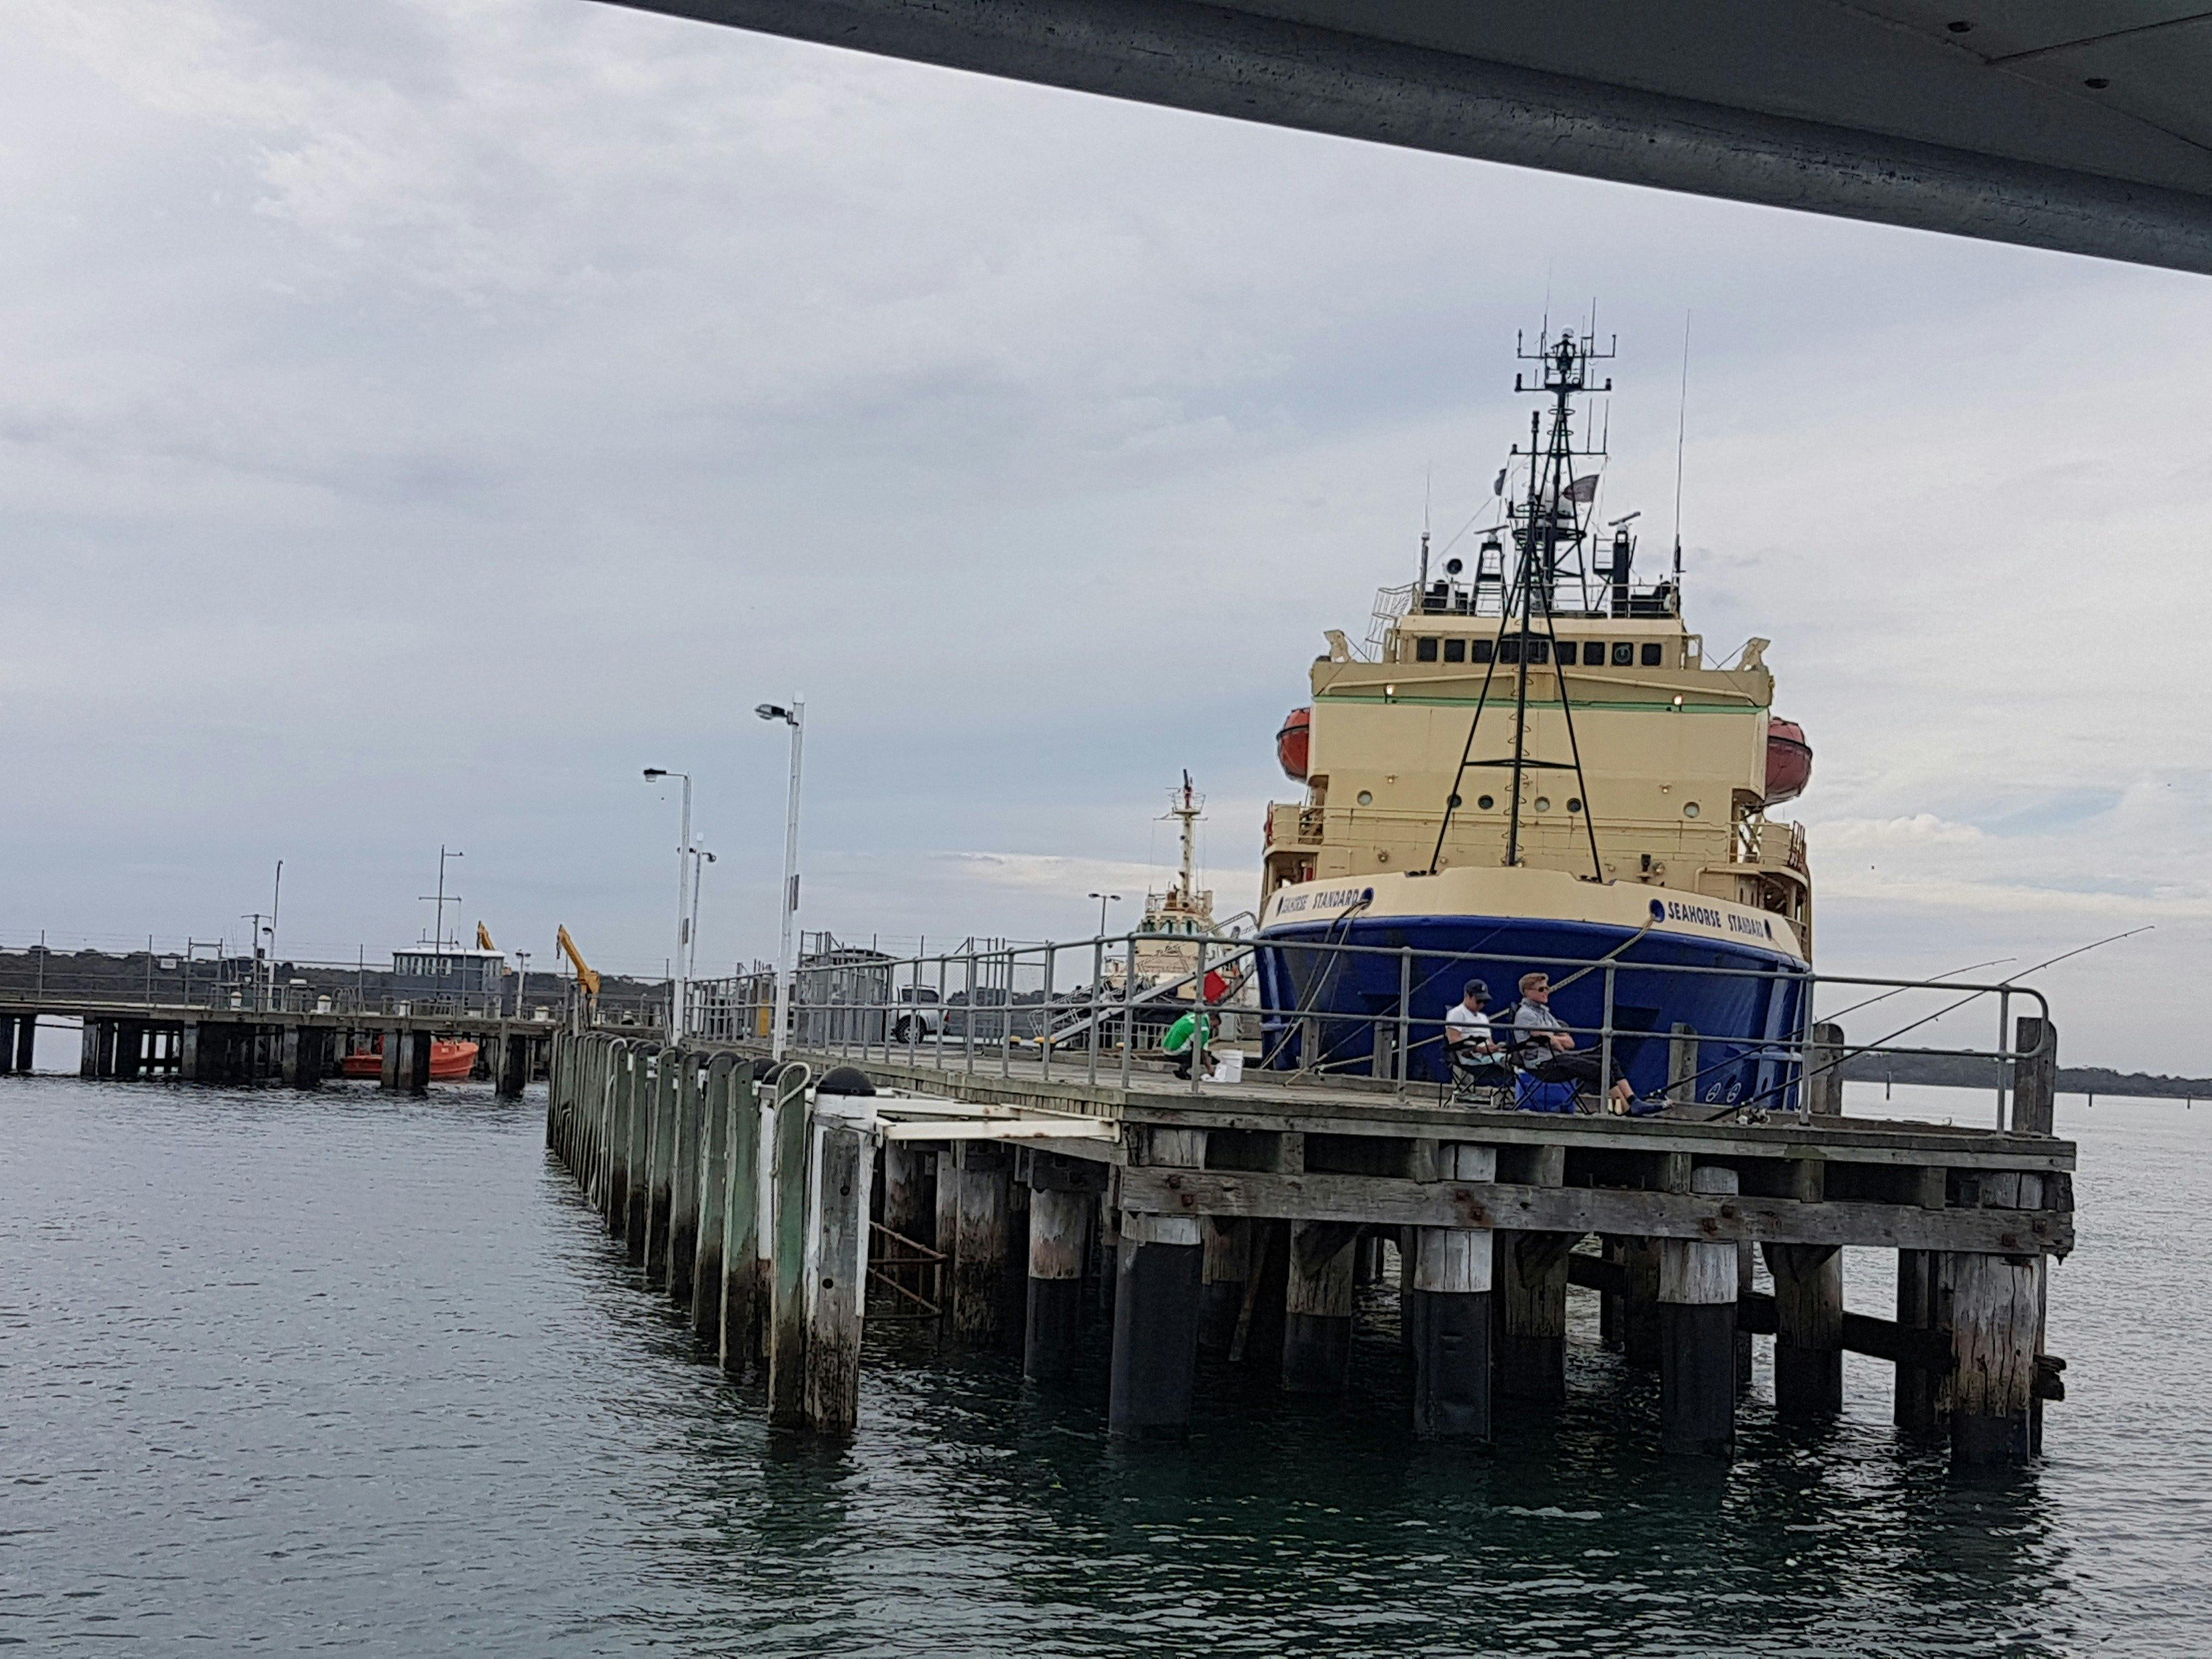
(1476, 1059)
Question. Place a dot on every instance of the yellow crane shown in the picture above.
(586, 977)
(483, 938)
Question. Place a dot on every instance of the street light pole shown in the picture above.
(701, 858)
(1104, 900)
(678, 985)
(795, 717)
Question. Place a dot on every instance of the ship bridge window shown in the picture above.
(1509, 651)
(1569, 654)
(1624, 654)
(1652, 654)
(1540, 651)
(1482, 650)
(1455, 650)
(1424, 650)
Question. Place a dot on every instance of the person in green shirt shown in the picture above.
(1178, 1041)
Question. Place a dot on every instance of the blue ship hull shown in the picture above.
(1746, 1019)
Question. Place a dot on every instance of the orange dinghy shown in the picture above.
(450, 1062)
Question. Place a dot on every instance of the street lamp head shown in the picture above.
(652, 772)
(771, 711)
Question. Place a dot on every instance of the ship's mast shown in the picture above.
(1551, 517)
(1188, 807)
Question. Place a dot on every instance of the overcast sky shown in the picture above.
(416, 418)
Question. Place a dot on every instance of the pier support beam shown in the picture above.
(1448, 1312)
(623, 1063)
(1996, 1332)
(844, 1161)
(906, 1210)
(91, 1051)
(660, 1166)
(1922, 1304)
(683, 1178)
(1808, 1302)
(743, 1290)
(786, 1232)
(303, 1063)
(1223, 1275)
(981, 1293)
(1060, 1226)
(8, 1024)
(510, 1066)
(1317, 1307)
(1532, 1294)
(26, 1041)
(1156, 1293)
(406, 1062)
(713, 1199)
(1697, 1337)
(637, 1207)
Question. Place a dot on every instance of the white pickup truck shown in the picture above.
(918, 1015)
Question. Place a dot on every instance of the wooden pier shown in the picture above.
(301, 1048)
(785, 1206)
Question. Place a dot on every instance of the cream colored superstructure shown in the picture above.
(1673, 759)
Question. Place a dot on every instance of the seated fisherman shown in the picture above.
(1478, 1060)
(1188, 1039)
(1546, 1048)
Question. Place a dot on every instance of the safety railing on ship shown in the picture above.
(1332, 1009)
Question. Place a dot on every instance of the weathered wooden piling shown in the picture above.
(622, 1067)
(1156, 1292)
(981, 1291)
(661, 1169)
(510, 1066)
(644, 1090)
(1060, 1223)
(1222, 1276)
(683, 1177)
(907, 1209)
(787, 1316)
(1996, 1331)
(1317, 1313)
(1696, 1336)
(1808, 1300)
(843, 1158)
(304, 1062)
(1531, 1280)
(1448, 1312)
(714, 1119)
(744, 1298)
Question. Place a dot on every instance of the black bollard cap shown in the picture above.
(845, 1081)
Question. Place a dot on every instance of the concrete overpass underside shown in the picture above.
(2082, 126)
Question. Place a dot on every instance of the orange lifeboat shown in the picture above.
(450, 1062)
(1294, 743)
(1788, 761)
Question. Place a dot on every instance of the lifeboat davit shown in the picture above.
(450, 1062)
(1293, 744)
(1788, 761)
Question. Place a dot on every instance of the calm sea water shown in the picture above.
(342, 1373)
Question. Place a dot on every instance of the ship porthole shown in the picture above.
(1367, 799)
(1455, 800)
(1485, 802)
(1543, 803)
(1689, 809)
(1574, 805)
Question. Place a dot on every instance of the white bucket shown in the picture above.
(1229, 1067)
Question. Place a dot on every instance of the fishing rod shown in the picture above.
(1900, 990)
(1879, 1042)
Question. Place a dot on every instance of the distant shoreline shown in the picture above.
(1961, 1072)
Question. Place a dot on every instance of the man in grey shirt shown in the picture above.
(1545, 1049)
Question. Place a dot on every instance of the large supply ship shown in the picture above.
(1535, 765)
